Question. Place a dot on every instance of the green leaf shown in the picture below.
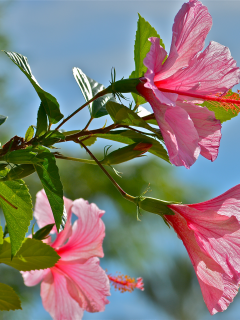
(90, 141)
(141, 48)
(33, 255)
(222, 112)
(50, 179)
(2, 119)
(49, 102)
(29, 134)
(1, 235)
(90, 88)
(43, 232)
(9, 300)
(42, 123)
(19, 172)
(21, 156)
(53, 137)
(18, 218)
(130, 137)
(123, 115)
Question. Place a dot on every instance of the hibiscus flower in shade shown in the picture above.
(189, 76)
(210, 231)
(76, 282)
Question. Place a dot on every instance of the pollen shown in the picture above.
(124, 283)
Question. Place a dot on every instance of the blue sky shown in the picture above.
(96, 36)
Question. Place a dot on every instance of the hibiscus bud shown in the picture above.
(124, 86)
(126, 153)
(156, 206)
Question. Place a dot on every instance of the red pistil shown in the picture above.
(125, 283)
(216, 97)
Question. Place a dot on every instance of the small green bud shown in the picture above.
(155, 206)
(126, 153)
(19, 172)
(43, 233)
(124, 86)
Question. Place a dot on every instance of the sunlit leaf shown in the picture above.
(33, 255)
(9, 300)
(141, 48)
(17, 210)
(42, 123)
(29, 134)
(123, 115)
(90, 88)
(49, 102)
(50, 179)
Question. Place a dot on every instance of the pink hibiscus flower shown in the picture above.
(188, 75)
(76, 282)
(210, 231)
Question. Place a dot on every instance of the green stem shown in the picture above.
(99, 94)
(123, 193)
(76, 159)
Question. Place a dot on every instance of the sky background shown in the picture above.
(96, 36)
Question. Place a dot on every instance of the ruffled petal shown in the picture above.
(32, 278)
(88, 284)
(217, 287)
(227, 204)
(67, 231)
(88, 232)
(191, 26)
(56, 298)
(212, 72)
(180, 136)
(43, 212)
(208, 128)
(153, 62)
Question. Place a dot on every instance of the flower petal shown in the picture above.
(217, 287)
(191, 26)
(153, 62)
(32, 278)
(43, 212)
(88, 233)
(88, 284)
(208, 128)
(212, 72)
(227, 204)
(56, 298)
(67, 231)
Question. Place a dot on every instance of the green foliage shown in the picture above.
(33, 255)
(2, 119)
(19, 172)
(49, 102)
(129, 137)
(1, 235)
(29, 134)
(17, 209)
(221, 113)
(155, 206)
(52, 137)
(141, 48)
(126, 153)
(50, 179)
(21, 156)
(42, 123)
(43, 232)
(123, 115)
(90, 88)
(9, 300)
